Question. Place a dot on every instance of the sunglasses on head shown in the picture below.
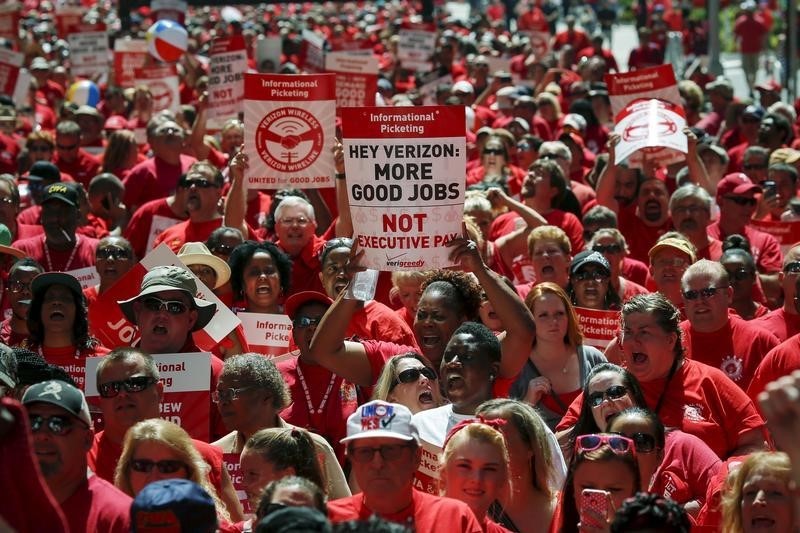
(173, 307)
(642, 442)
(607, 248)
(56, 425)
(614, 392)
(112, 251)
(743, 201)
(708, 292)
(132, 384)
(166, 466)
(200, 184)
(411, 375)
(591, 442)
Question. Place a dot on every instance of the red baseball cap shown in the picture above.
(297, 300)
(769, 85)
(115, 122)
(737, 184)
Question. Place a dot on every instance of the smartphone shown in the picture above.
(770, 188)
(599, 503)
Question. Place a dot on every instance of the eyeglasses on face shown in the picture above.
(742, 201)
(755, 166)
(739, 275)
(40, 148)
(607, 248)
(689, 209)
(792, 268)
(614, 392)
(132, 384)
(551, 156)
(550, 252)
(173, 307)
(303, 322)
(618, 444)
(17, 287)
(229, 395)
(411, 375)
(642, 442)
(56, 425)
(112, 251)
(706, 293)
(222, 249)
(300, 221)
(389, 452)
(588, 275)
(165, 466)
(168, 131)
(200, 184)
(67, 147)
(493, 151)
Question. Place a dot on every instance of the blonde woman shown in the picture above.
(759, 496)
(157, 449)
(409, 379)
(475, 469)
(121, 154)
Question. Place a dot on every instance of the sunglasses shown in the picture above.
(493, 151)
(173, 307)
(17, 287)
(389, 452)
(742, 201)
(229, 395)
(56, 425)
(590, 276)
(165, 466)
(614, 392)
(617, 443)
(132, 384)
(200, 184)
(303, 322)
(792, 268)
(411, 375)
(739, 275)
(67, 147)
(112, 251)
(642, 442)
(706, 293)
(550, 156)
(222, 249)
(607, 249)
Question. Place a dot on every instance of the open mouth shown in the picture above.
(639, 358)
(430, 341)
(454, 381)
(548, 270)
(264, 289)
(762, 522)
(426, 398)
(159, 329)
(57, 315)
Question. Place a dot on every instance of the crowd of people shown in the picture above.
(472, 398)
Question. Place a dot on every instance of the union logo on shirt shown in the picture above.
(733, 367)
(693, 412)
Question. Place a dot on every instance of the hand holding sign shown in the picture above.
(465, 253)
(338, 156)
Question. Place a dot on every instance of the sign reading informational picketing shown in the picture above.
(234, 467)
(648, 116)
(415, 49)
(164, 85)
(356, 78)
(87, 276)
(129, 55)
(599, 327)
(267, 334)
(10, 63)
(227, 65)
(10, 14)
(786, 232)
(405, 179)
(89, 53)
(289, 128)
(187, 380)
(109, 325)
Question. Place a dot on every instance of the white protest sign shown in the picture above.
(87, 276)
(227, 65)
(652, 130)
(157, 225)
(428, 90)
(89, 53)
(498, 63)
(129, 54)
(269, 49)
(10, 63)
(268, 334)
(289, 129)
(415, 49)
(405, 178)
(186, 378)
(540, 42)
(163, 84)
(356, 78)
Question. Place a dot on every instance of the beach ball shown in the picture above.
(84, 92)
(166, 40)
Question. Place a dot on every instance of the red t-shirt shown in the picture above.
(83, 168)
(81, 255)
(712, 252)
(514, 179)
(631, 289)
(634, 270)
(779, 323)
(9, 150)
(639, 236)
(30, 215)
(152, 179)
(138, 229)
(306, 268)
(686, 470)
(97, 506)
(750, 32)
(187, 231)
(426, 513)
(7, 336)
(699, 399)
(575, 38)
(509, 221)
(736, 348)
(72, 360)
(379, 322)
(404, 314)
(765, 249)
(780, 361)
(534, 20)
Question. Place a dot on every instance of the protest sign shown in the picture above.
(87, 277)
(157, 225)
(415, 49)
(428, 90)
(10, 15)
(598, 326)
(88, 53)
(786, 232)
(186, 378)
(312, 58)
(234, 467)
(169, 10)
(498, 63)
(109, 325)
(10, 63)
(227, 65)
(289, 129)
(648, 116)
(129, 55)
(540, 42)
(356, 78)
(163, 83)
(268, 53)
(267, 334)
(405, 180)
(70, 19)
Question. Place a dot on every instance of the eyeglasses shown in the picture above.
(7, 201)
(551, 156)
(56, 425)
(493, 151)
(642, 442)
(200, 184)
(132, 384)
(303, 322)
(411, 375)
(40, 148)
(112, 251)
(755, 166)
(739, 275)
(222, 249)
(17, 287)
(389, 452)
(586, 275)
(300, 221)
(165, 466)
(618, 444)
(690, 209)
(607, 249)
(706, 293)
(792, 268)
(742, 201)
(228, 395)
(614, 392)
(67, 147)
(550, 252)
(674, 262)
(168, 131)
(173, 307)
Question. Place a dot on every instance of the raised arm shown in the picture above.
(236, 202)
(344, 224)
(197, 138)
(607, 180)
(697, 170)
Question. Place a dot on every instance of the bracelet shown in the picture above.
(339, 175)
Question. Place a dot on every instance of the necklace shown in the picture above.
(307, 393)
(69, 261)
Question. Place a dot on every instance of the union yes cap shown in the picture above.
(380, 419)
